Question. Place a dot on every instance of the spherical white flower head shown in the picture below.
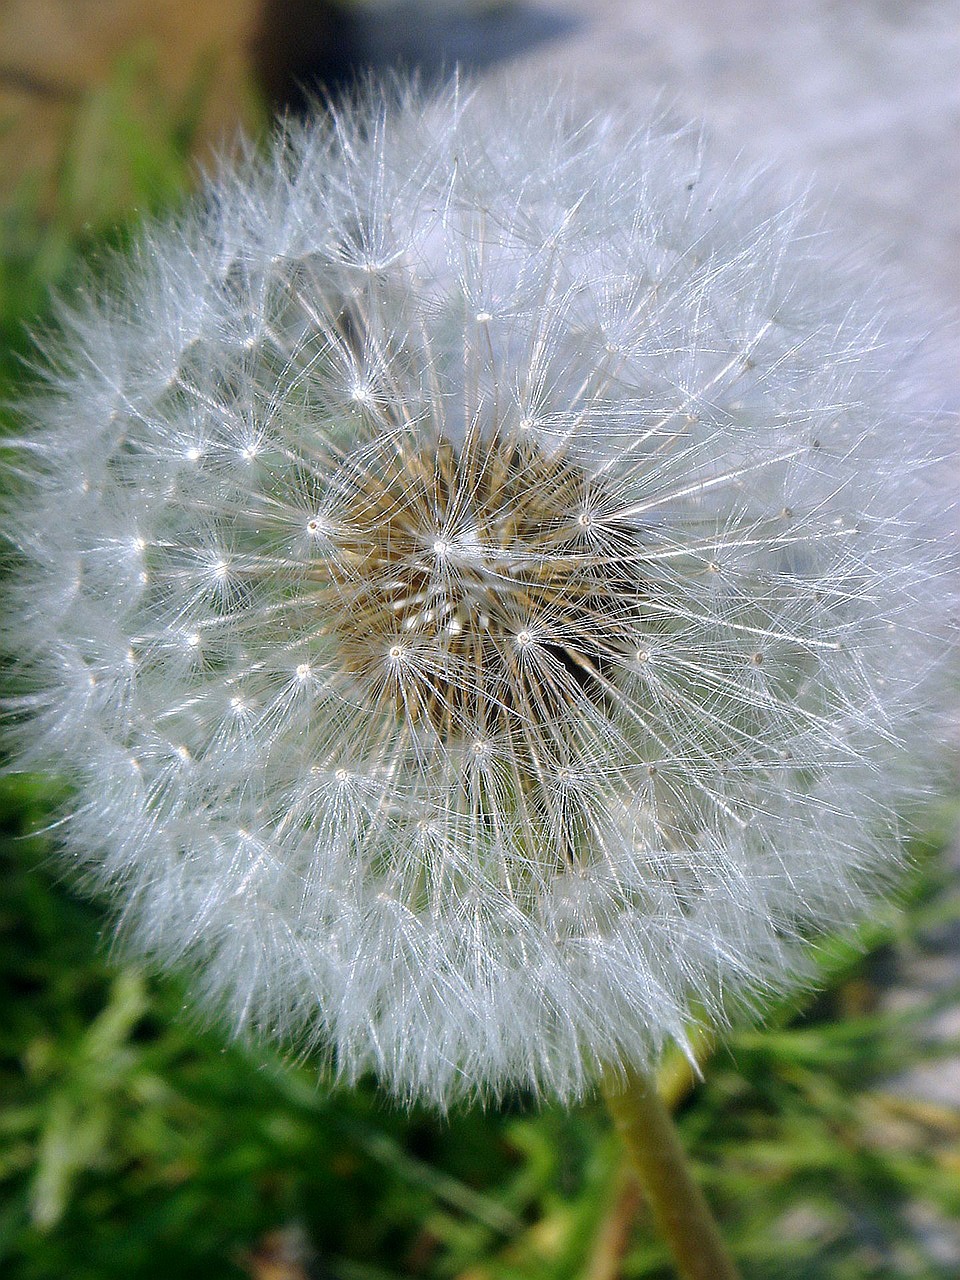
(475, 575)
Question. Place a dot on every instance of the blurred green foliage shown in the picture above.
(127, 152)
(135, 1145)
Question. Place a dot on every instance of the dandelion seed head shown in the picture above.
(502, 612)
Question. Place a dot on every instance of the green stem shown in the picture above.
(616, 1228)
(677, 1203)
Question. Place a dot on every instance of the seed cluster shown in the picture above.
(479, 589)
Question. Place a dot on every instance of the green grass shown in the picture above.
(136, 1145)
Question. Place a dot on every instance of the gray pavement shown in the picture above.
(862, 95)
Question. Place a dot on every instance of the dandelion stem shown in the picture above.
(657, 1157)
(616, 1229)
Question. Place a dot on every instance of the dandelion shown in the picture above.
(478, 576)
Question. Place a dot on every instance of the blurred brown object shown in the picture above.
(55, 53)
(79, 76)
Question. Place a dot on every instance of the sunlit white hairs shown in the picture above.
(475, 573)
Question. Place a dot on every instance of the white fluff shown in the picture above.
(484, 781)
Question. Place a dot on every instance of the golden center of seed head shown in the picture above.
(479, 589)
